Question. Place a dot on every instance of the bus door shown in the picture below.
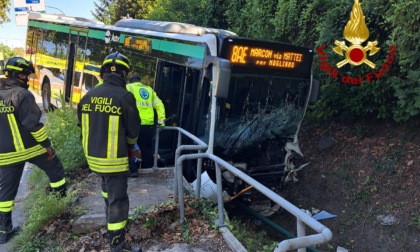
(169, 84)
(180, 90)
(76, 56)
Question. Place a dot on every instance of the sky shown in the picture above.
(14, 36)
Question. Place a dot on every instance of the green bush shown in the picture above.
(64, 134)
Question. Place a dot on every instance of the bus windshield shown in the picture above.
(260, 108)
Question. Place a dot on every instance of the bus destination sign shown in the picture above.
(253, 56)
(141, 44)
(263, 57)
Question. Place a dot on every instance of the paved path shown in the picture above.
(150, 188)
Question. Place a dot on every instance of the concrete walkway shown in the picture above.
(150, 188)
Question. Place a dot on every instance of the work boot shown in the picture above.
(118, 243)
(134, 167)
(124, 247)
(6, 228)
(62, 190)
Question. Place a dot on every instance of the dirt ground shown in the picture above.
(157, 230)
(368, 175)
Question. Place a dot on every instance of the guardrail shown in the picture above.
(301, 242)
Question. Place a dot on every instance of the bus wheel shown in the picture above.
(46, 97)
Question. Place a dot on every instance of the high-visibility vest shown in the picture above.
(147, 101)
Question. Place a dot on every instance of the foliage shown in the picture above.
(18, 51)
(406, 35)
(317, 22)
(104, 11)
(7, 52)
(395, 95)
(64, 134)
(250, 24)
(201, 12)
(40, 212)
(186, 11)
(133, 9)
(4, 9)
(253, 239)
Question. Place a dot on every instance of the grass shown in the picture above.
(252, 239)
(344, 174)
(368, 189)
(64, 134)
(44, 208)
(415, 220)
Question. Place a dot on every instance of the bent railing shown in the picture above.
(302, 240)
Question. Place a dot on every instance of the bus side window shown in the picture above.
(90, 81)
(203, 126)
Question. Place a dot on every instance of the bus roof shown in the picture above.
(174, 30)
(61, 18)
(171, 27)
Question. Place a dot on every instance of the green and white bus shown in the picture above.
(246, 98)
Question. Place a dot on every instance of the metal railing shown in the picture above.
(301, 242)
(199, 146)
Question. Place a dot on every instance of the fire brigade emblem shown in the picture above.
(356, 32)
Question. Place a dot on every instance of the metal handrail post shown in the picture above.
(198, 181)
(180, 177)
(301, 232)
(177, 154)
(180, 190)
(219, 196)
(156, 149)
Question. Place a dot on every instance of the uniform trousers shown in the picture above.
(146, 144)
(114, 190)
(10, 176)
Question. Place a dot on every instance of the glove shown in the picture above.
(50, 153)
(137, 154)
(161, 123)
(130, 154)
(133, 153)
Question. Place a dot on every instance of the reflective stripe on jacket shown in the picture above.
(22, 136)
(109, 123)
(147, 101)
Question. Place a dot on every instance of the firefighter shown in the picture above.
(23, 139)
(110, 124)
(147, 102)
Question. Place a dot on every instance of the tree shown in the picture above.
(104, 11)
(18, 51)
(312, 23)
(7, 52)
(4, 10)
(133, 9)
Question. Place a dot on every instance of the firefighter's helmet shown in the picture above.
(115, 63)
(17, 65)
